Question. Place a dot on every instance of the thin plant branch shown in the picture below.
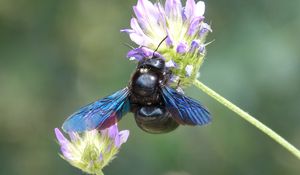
(265, 129)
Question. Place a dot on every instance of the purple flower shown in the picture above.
(182, 26)
(92, 150)
(142, 53)
(189, 70)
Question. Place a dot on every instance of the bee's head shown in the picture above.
(156, 62)
(153, 63)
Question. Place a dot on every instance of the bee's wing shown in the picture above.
(184, 110)
(99, 114)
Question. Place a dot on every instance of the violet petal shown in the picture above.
(127, 30)
(61, 138)
(204, 29)
(73, 136)
(194, 45)
(117, 141)
(66, 153)
(113, 131)
(135, 26)
(181, 48)
(174, 78)
(135, 54)
(162, 15)
(138, 12)
(189, 8)
(173, 8)
(138, 39)
(170, 63)
(123, 136)
(189, 70)
(169, 41)
(101, 157)
(195, 25)
(202, 49)
(146, 13)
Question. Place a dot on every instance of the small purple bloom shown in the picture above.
(184, 27)
(195, 24)
(194, 46)
(202, 49)
(123, 136)
(189, 70)
(64, 143)
(113, 131)
(174, 78)
(173, 8)
(204, 29)
(169, 41)
(170, 64)
(101, 157)
(92, 150)
(142, 53)
(189, 8)
(181, 48)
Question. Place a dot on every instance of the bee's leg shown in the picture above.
(179, 89)
(178, 83)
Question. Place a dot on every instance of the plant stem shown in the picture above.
(249, 118)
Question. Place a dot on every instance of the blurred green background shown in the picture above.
(57, 55)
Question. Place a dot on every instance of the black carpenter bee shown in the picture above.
(157, 108)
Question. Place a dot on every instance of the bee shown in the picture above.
(157, 107)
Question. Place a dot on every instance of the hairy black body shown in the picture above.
(146, 101)
(157, 108)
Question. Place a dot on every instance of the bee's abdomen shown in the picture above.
(155, 119)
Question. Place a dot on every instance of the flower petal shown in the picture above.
(127, 30)
(195, 25)
(189, 9)
(200, 9)
(194, 45)
(174, 78)
(189, 70)
(205, 28)
(73, 136)
(64, 144)
(173, 9)
(61, 138)
(101, 156)
(113, 131)
(117, 141)
(138, 39)
(138, 53)
(136, 27)
(169, 41)
(147, 14)
(202, 49)
(123, 135)
(170, 63)
(181, 48)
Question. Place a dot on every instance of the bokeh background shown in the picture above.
(57, 55)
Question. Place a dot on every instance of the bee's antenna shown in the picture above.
(128, 45)
(159, 45)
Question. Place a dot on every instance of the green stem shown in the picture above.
(249, 118)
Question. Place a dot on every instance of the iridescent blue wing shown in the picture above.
(184, 110)
(99, 114)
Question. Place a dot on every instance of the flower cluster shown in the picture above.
(92, 150)
(184, 31)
